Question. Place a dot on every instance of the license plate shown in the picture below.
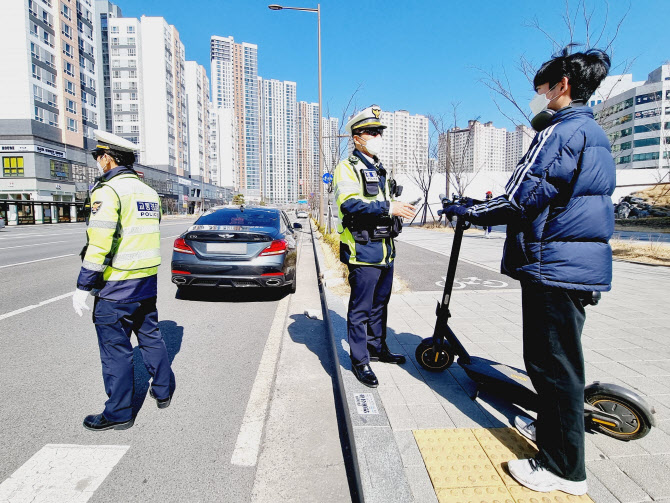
(230, 248)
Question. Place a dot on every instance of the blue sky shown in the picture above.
(415, 55)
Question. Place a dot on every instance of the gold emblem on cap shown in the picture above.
(376, 112)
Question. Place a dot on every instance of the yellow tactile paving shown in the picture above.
(501, 445)
(470, 466)
(455, 458)
(498, 494)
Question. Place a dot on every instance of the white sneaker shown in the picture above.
(526, 427)
(530, 474)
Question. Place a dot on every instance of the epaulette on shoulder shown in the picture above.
(353, 159)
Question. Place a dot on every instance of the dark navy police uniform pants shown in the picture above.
(552, 351)
(114, 323)
(367, 314)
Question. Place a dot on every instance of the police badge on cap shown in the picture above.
(368, 118)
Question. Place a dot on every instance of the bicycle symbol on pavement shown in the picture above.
(473, 281)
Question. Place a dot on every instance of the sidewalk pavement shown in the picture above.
(301, 457)
(626, 341)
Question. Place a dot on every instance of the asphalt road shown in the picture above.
(50, 375)
(424, 270)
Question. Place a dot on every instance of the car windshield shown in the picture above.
(246, 218)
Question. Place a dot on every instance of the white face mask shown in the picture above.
(374, 145)
(540, 102)
(101, 171)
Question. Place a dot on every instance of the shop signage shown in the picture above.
(33, 148)
(184, 181)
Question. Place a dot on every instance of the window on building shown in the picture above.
(132, 52)
(131, 40)
(115, 29)
(12, 166)
(70, 88)
(72, 125)
(68, 50)
(646, 128)
(130, 29)
(646, 142)
(115, 40)
(60, 170)
(132, 74)
(37, 72)
(648, 98)
(649, 156)
(68, 68)
(67, 12)
(71, 106)
(67, 31)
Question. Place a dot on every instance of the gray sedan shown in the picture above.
(237, 247)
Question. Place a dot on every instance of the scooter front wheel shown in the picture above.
(430, 358)
(634, 423)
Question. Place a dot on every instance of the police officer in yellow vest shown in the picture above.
(365, 198)
(119, 268)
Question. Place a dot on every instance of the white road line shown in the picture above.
(34, 244)
(170, 237)
(40, 235)
(62, 473)
(34, 306)
(249, 438)
(38, 260)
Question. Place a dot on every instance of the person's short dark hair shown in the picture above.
(584, 70)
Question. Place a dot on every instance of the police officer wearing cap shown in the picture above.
(120, 264)
(369, 219)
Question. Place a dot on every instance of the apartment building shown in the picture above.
(148, 87)
(235, 86)
(279, 119)
(479, 147)
(517, 144)
(405, 146)
(48, 107)
(197, 107)
(104, 10)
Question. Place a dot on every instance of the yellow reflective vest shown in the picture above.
(351, 198)
(123, 229)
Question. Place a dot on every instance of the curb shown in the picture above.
(377, 467)
(343, 413)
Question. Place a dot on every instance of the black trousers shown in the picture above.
(552, 351)
(367, 313)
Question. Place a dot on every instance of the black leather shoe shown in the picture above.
(385, 356)
(164, 403)
(98, 422)
(364, 374)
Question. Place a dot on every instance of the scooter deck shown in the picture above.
(510, 382)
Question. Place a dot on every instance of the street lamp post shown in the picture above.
(321, 170)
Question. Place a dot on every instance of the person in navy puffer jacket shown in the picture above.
(559, 217)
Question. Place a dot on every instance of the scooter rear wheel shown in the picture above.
(634, 424)
(430, 359)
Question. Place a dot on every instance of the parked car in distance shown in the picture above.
(239, 247)
(302, 214)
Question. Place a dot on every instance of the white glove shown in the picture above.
(79, 301)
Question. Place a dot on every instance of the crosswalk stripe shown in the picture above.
(62, 473)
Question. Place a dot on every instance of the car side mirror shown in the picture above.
(297, 225)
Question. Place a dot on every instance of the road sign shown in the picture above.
(327, 178)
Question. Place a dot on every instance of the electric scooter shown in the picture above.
(609, 408)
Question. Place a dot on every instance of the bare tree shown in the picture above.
(578, 27)
(452, 155)
(422, 171)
